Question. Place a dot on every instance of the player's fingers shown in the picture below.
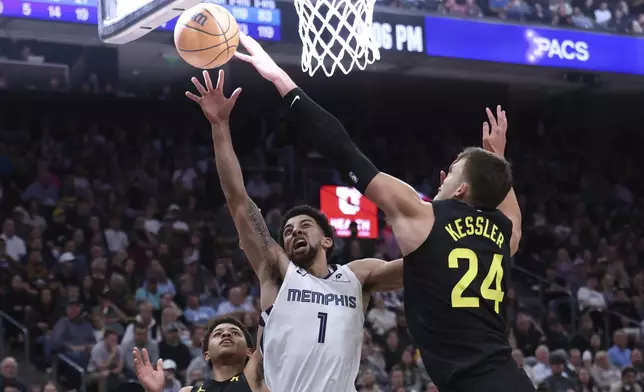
(220, 80)
(243, 57)
(486, 130)
(235, 95)
(443, 176)
(199, 86)
(206, 78)
(159, 364)
(247, 42)
(193, 97)
(146, 357)
(503, 120)
(490, 117)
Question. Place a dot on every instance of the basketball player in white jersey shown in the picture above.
(313, 332)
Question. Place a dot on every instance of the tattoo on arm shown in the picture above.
(259, 225)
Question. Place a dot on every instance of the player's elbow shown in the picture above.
(516, 239)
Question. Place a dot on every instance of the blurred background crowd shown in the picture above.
(114, 233)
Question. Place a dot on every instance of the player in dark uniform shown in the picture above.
(227, 346)
(456, 252)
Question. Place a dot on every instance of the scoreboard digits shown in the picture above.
(260, 19)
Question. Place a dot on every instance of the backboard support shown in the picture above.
(123, 21)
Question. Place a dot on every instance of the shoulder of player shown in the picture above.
(186, 389)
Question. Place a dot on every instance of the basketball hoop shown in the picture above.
(336, 34)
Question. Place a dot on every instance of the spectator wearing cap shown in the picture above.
(619, 355)
(106, 363)
(603, 372)
(170, 373)
(141, 340)
(14, 245)
(171, 347)
(628, 382)
(558, 381)
(73, 335)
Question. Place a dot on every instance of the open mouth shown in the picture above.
(299, 243)
(226, 342)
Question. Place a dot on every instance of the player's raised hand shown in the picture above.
(215, 106)
(258, 57)
(494, 138)
(151, 379)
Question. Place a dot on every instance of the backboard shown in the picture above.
(122, 21)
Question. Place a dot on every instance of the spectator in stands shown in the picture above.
(396, 379)
(141, 340)
(106, 363)
(196, 313)
(144, 318)
(73, 335)
(170, 372)
(527, 335)
(589, 295)
(116, 238)
(380, 318)
(541, 369)
(517, 355)
(628, 381)
(637, 360)
(619, 355)
(235, 304)
(14, 245)
(581, 339)
(9, 375)
(367, 382)
(603, 372)
(558, 381)
(586, 382)
(150, 292)
(171, 347)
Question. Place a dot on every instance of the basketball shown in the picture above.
(206, 36)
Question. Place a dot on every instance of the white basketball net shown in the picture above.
(336, 34)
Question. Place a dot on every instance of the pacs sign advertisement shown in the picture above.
(343, 205)
(530, 45)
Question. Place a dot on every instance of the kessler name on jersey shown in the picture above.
(315, 297)
(478, 226)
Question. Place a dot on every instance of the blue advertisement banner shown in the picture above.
(530, 45)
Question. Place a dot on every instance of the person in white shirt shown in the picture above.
(517, 355)
(115, 237)
(184, 175)
(15, 246)
(588, 296)
(541, 370)
(603, 14)
(381, 318)
(235, 304)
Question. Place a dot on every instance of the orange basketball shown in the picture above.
(206, 36)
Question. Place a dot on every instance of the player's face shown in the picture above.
(227, 340)
(453, 186)
(303, 240)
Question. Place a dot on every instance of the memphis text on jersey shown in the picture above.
(315, 297)
(479, 226)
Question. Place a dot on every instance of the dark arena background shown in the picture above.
(110, 202)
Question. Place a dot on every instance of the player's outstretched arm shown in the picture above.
(494, 140)
(378, 275)
(393, 196)
(262, 251)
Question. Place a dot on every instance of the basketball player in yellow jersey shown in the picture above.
(456, 249)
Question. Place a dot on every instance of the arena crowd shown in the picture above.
(114, 235)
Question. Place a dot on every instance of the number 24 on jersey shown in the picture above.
(493, 277)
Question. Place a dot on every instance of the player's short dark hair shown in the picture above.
(489, 177)
(317, 215)
(225, 320)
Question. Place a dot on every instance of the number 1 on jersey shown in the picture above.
(494, 276)
(322, 333)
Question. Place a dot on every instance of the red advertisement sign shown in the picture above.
(343, 205)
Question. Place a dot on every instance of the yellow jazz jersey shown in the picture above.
(454, 288)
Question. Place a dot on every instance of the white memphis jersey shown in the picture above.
(313, 332)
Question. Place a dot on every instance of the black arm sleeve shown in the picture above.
(330, 138)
